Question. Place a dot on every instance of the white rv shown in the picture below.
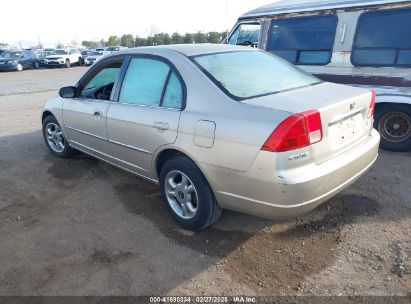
(360, 43)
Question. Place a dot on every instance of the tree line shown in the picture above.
(128, 40)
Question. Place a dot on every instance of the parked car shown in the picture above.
(18, 60)
(361, 43)
(95, 56)
(41, 56)
(63, 58)
(112, 49)
(84, 54)
(218, 126)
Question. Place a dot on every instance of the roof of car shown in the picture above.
(189, 49)
(296, 6)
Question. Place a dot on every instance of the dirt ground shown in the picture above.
(82, 227)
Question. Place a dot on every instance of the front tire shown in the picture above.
(54, 138)
(19, 67)
(67, 64)
(393, 121)
(36, 65)
(187, 194)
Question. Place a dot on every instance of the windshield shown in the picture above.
(111, 49)
(248, 74)
(85, 52)
(10, 54)
(96, 54)
(60, 52)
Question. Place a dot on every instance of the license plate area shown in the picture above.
(346, 131)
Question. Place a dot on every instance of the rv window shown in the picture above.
(383, 39)
(305, 40)
(245, 34)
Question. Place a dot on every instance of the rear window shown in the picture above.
(383, 38)
(248, 74)
(305, 40)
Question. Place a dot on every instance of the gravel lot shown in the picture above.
(82, 227)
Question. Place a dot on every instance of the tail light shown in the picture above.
(295, 132)
(371, 109)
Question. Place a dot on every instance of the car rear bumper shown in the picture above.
(267, 192)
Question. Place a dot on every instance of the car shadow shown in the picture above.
(81, 227)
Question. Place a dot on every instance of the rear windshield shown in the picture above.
(248, 74)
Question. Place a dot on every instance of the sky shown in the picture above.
(54, 21)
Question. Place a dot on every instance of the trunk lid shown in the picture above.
(343, 110)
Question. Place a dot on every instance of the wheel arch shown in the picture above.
(386, 98)
(45, 114)
(162, 155)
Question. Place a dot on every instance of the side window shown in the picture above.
(383, 39)
(151, 82)
(303, 40)
(173, 95)
(246, 34)
(101, 84)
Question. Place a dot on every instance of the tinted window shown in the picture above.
(383, 38)
(144, 82)
(307, 40)
(245, 34)
(102, 83)
(247, 74)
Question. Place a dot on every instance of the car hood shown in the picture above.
(54, 56)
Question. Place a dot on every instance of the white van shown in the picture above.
(361, 43)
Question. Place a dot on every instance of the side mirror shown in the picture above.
(68, 92)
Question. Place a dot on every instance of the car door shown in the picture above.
(25, 60)
(147, 112)
(74, 55)
(85, 117)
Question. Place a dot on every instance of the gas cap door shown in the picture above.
(204, 133)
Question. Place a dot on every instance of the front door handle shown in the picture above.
(161, 125)
(97, 114)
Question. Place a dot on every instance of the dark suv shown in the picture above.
(18, 60)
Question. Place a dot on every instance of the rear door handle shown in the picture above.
(161, 125)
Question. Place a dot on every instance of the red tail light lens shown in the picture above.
(371, 109)
(295, 132)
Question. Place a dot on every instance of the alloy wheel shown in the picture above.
(55, 137)
(181, 194)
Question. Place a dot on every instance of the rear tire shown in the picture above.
(36, 65)
(393, 121)
(67, 64)
(19, 67)
(193, 204)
